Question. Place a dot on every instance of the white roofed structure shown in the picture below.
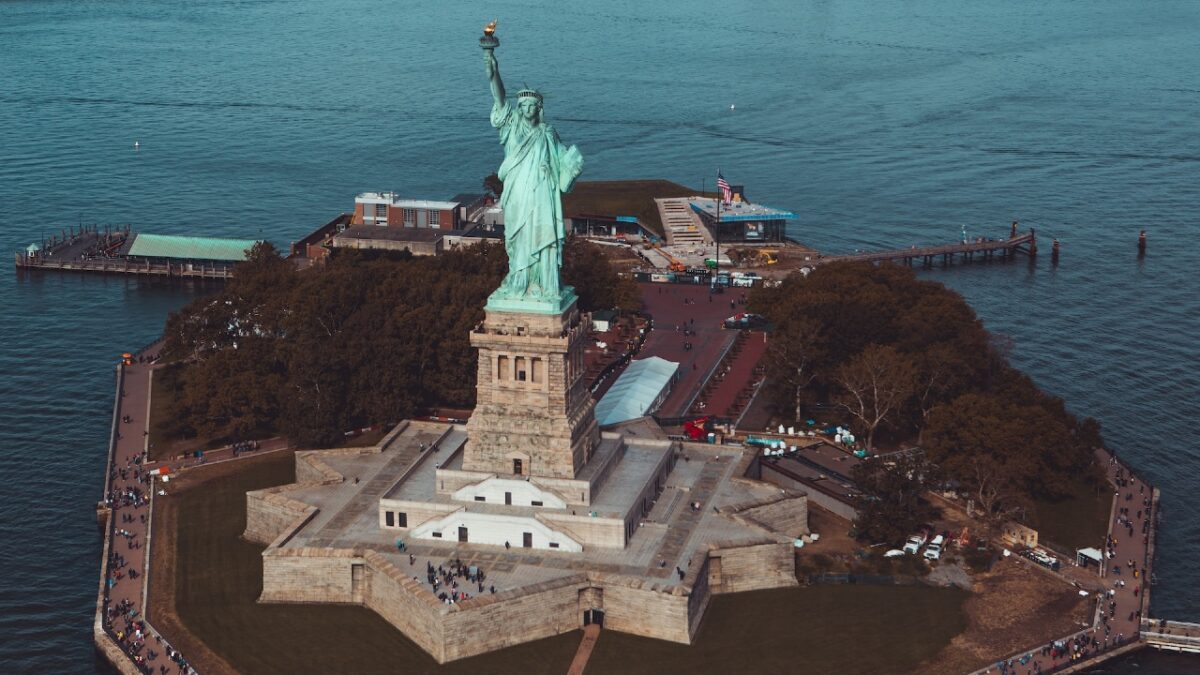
(639, 391)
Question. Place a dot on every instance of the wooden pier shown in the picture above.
(1174, 636)
(93, 249)
(985, 249)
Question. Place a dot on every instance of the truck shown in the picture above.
(934, 550)
(914, 543)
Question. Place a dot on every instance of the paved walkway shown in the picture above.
(129, 497)
(591, 633)
(728, 392)
(675, 307)
(129, 522)
(1122, 604)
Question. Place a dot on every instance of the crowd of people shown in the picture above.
(448, 581)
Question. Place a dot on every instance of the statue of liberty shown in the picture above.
(537, 169)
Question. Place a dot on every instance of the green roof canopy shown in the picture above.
(190, 248)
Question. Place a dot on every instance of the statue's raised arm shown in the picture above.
(493, 73)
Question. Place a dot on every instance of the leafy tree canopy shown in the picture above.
(368, 338)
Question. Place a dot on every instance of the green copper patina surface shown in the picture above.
(537, 169)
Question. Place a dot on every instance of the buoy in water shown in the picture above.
(136, 145)
(732, 106)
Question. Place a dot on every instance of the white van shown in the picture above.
(934, 550)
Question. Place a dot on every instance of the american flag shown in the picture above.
(723, 186)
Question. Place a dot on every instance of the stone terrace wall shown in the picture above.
(598, 532)
(269, 515)
(491, 622)
(769, 564)
(405, 604)
(641, 608)
(785, 514)
(309, 575)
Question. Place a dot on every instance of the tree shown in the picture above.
(890, 504)
(874, 386)
(493, 185)
(792, 354)
(596, 282)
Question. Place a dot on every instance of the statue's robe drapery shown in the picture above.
(537, 169)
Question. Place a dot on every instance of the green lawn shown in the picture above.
(843, 629)
(624, 198)
(1078, 521)
(220, 576)
(821, 629)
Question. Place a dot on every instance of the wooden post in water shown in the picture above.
(1142, 243)
(1054, 252)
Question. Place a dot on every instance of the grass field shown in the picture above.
(624, 198)
(1079, 521)
(843, 629)
(820, 629)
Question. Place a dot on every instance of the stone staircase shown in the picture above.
(680, 224)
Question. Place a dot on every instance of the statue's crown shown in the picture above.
(530, 93)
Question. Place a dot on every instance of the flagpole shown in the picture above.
(717, 240)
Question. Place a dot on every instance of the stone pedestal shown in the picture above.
(534, 415)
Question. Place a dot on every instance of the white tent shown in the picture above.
(639, 391)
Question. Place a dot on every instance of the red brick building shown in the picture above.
(386, 209)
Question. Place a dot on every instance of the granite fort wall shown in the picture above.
(599, 532)
(269, 515)
(652, 609)
(310, 575)
(402, 602)
(491, 622)
(644, 608)
(770, 564)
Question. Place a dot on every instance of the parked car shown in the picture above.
(1042, 558)
(934, 550)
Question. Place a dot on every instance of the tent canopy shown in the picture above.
(640, 388)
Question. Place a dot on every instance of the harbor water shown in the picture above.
(882, 125)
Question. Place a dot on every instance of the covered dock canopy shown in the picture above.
(197, 249)
(639, 390)
(1088, 556)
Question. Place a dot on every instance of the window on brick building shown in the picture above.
(519, 362)
(435, 217)
(410, 217)
(381, 212)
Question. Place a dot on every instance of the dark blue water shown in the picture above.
(882, 124)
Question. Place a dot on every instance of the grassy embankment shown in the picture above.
(1078, 521)
(626, 198)
(850, 629)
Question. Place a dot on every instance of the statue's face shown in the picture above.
(530, 109)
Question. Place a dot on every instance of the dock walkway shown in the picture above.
(122, 630)
(985, 248)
